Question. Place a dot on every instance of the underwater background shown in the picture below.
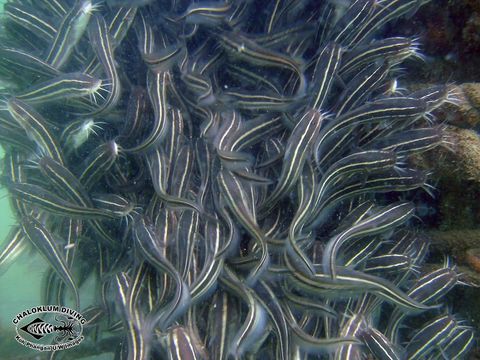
(221, 117)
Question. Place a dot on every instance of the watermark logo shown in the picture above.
(49, 328)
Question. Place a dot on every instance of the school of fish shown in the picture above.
(230, 179)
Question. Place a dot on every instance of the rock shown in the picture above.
(466, 112)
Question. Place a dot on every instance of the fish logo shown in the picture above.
(39, 328)
(49, 328)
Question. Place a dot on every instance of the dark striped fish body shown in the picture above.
(121, 22)
(14, 172)
(55, 7)
(389, 263)
(434, 285)
(255, 130)
(65, 86)
(135, 325)
(312, 344)
(459, 343)
(307, 303)
(380, 220)
(158, 165)
(361, 162)
(206, 281)
(52, 203)
(351, 282)
(324, 73)
(204, 158)
(34, 22)
(223, 318)
(353, 327)
(135, 114)
(44, 242)
(272, 305)
(101, 42)
(36, 127)
(201, 86)
(306, 199)
(187, 238)
(298, 148)
(98, 162)
(246, 100)
(241, 47)
(157, 86)
(393, 50)
(14, 244)
(360, 87)
(146, 241)
(160, 60)
(382, 15)
(180, 175)
(230, 127)
(207, 13)
(18, 62)
(69, 33)
(410, 141)
(382, 182)
(67, 183)
(380, 346)
(256, 320)
(360, 251)
(181, 345)
(388, 109)
(240, 205)
(433, 334)
(354, 17)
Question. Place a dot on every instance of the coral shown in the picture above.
(466, 112)
(456, 169)
(465, 158)
(472, 257)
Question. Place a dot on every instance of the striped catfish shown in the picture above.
(326, 65)
(33, 21)
(240, 205)
(146, 242)
(15, 243)
(241, 47)
(432, 334)
(66, 86)
(71, 29)
(297, 151)
(98, 163)
(101, 42)
(379, 220)
(181, 344)
(44, 242)
(254, 324)
(36, 128)
(349, 282)
(138, 344)
(52, 203)
(380, 346)
(157, 90)
(312, 344)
